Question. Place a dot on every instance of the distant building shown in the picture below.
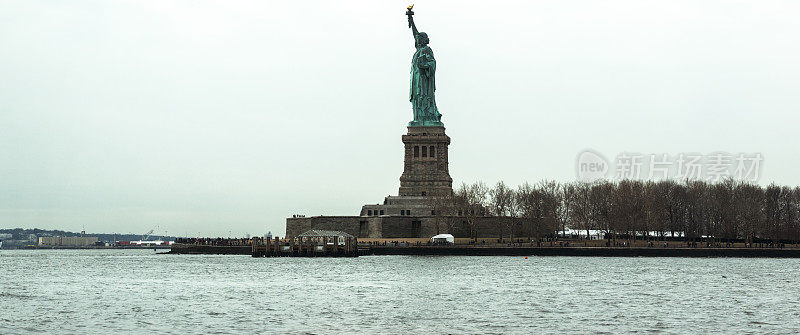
(67, 241)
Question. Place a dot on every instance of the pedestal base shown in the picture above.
(426, 171)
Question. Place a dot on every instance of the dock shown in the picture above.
(314, 243)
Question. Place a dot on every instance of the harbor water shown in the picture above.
(140, 291)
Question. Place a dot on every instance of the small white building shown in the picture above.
(443, 239)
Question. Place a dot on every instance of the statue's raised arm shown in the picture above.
(411, 24)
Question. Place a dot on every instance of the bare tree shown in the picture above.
(722, 224)
(529, 199)
(656, 201)
(793, 213)
(677, 209)
(471, 201)
(600, 204)
(442, 211)
(551, 206)
(724, 211)
(790, 209)
(773, 217)
(697, 207)
(581, 206)
(748, 216)
(628, 208)
(501, 199)
(566, 196)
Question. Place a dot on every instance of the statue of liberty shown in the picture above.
(423, 81)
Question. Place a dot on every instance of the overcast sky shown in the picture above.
(215, 116)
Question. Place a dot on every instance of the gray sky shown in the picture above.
(215, 116)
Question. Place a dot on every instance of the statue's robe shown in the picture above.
(423, 85)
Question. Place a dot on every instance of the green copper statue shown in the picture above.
(423, 82)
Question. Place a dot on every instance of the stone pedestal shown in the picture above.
(425, 170)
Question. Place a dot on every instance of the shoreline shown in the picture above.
(587, 251)
(88, 248)
(523, 251)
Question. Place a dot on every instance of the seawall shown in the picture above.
(585, 251)
(210, 249)
(522, 251)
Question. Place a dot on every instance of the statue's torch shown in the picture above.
(410, 13)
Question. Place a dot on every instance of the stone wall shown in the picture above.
(392, 226)
(399, 205)
(347, 224)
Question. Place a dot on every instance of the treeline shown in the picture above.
(725, 211)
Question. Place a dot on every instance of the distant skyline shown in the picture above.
(223, 118)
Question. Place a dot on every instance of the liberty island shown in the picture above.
(426, 204)
(629, 218)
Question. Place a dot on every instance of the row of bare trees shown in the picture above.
(724, 211)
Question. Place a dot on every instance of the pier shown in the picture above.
(313, 243)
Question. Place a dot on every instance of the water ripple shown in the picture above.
(137, 291)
